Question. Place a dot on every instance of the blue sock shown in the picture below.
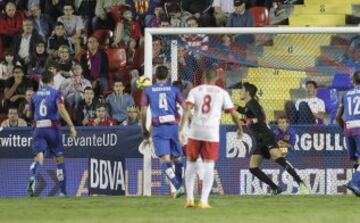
(166, 167)
(356, 178)
(34, 168)
(61, 176)
(179, 170)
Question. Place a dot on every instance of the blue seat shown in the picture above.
(330, 98)
(342, 82)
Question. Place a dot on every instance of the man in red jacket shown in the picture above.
(10, 23)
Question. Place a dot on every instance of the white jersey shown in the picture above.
(209, 101)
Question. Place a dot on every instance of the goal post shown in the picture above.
(285, 55)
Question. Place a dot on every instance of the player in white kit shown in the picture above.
(208, 102)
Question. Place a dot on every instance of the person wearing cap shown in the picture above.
(241, 18)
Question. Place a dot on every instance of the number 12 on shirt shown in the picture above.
(353, 105)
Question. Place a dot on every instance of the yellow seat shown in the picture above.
(318, 2)
(302, 39)
(317, 20)
(287, 62)
(290, 50)
(323, 9)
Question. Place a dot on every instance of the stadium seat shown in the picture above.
(261, 16)
(323, 9)
(102, 35)
(117, 58)
(341, 82)
(329, 96)
(317, 20)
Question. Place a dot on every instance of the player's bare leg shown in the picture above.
(190, 176)
(168, 170)
(38, 161)
(276, 155)
(208, 183)
(255, 162)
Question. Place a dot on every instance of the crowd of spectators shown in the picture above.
(73, 40)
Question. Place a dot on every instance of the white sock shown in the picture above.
(200, 168)
(208, 180)
(172, 187)
(190, 175)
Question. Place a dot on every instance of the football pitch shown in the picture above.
(242, 209)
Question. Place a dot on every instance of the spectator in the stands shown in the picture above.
(38, 59)
(87, 108)
(73, 87)
(177, 16)
(7, 64)
(95, 66)
(43, 23)
(164, 21)
(201, 10)
(54, 8)
(58, 39)
(133, 117)
(64, 60)
(24, 106)
(104, 19)
(352, 55)
(53, 67)
(13, 119)
(118, 102)
(102, 119)
(222, 10)
(86, 9)
(17, 85)
(309, 110)
(10, 23)
(187, 64)
(73, 24)
(197, 41)
(154, 19)
(24, 43)
(285, 135)
(280, 12)
(241, 18)
(159, 55)
(130, 52)
(127, 27)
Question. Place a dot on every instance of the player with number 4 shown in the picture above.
(47, 104)
(162, 98)
(208, 101)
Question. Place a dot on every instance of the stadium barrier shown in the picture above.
(107, 161)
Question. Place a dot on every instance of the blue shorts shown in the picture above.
(47, 140)
(166, 140)
(353, 146)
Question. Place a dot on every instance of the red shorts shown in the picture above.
(207, 150)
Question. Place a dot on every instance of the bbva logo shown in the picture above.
(238, 147)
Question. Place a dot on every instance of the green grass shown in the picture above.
(242, 209)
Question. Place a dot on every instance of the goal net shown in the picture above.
(280, 62)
